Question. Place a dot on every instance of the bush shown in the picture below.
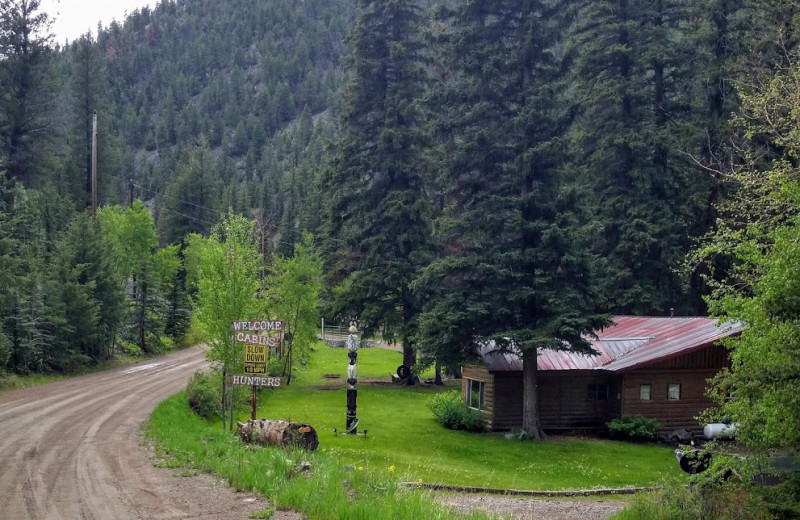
(636, 428)
(204, 394)
(130, 349)
(5, 351)
(452, 413)
(782, 500)
(719, 501)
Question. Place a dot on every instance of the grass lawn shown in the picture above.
(405, 440)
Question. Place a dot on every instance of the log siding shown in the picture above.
(565, 403)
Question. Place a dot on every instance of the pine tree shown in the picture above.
(27, 98)
(509, 269)
(632, 94)
(192, 199)
(88, 95)
(378, 209)
(91, 289)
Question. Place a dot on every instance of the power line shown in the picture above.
(153, 192)
(163, 208)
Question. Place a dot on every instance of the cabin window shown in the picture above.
(644, 392)
(475, 394)
(598, 392)
(673, 392)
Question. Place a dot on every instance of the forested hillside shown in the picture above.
(460, 162)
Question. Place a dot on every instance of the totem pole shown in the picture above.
(352, 379)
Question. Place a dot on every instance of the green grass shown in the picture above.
(403, 435)
(327, 491)
(372, 363)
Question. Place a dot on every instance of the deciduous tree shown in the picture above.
(294, 285)
(225, 270)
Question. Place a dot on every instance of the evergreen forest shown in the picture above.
(514, 169)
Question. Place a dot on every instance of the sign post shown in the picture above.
(257, 342)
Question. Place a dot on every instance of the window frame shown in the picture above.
(649, 387)
(670, 386)
(598, 392)
(481, 394)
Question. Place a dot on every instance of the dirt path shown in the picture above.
(73, 450)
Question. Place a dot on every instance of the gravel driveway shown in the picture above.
(533, 508)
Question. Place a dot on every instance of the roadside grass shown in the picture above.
(326, 491)
(15, 381)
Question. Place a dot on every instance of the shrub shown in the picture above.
(637, 428)
(718, 501)
(204, 393)
(452, 413)
(5, 351)
(130, 349)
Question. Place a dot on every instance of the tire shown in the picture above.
(403, 372)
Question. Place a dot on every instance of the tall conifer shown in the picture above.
(377, 203)
(509, 269)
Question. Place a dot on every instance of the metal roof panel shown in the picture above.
(631, 342)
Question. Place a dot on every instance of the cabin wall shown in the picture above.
(508, 403)
(480, 373)
(565, 402)
(672, 414)
(691, 372)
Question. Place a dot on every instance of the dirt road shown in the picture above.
(72, 450)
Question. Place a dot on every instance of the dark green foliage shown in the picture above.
(204, 394)
(783, 500)
(91, 284)
(636, 428)
(633, 100)
(28, 91)
(450, 411)
(5, 351)
(377, 212)
(510, 264)
(191, 202)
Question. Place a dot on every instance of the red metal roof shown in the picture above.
(631, 342)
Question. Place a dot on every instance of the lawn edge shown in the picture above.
(532, 493)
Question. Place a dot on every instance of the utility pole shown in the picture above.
(94, 164)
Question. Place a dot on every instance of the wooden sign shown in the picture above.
(258, 339)
(255, 359)
(246, 380)
(258, 325)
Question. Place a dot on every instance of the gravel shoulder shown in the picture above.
(519, 508)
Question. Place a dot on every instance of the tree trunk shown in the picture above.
(530, 396)
(279, 433)
(438, 377)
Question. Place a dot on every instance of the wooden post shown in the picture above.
(253, 404)
(352, 379)
(94, 164)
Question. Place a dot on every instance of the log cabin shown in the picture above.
(655, 367)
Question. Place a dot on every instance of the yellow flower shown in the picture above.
(391, 468)
(360, 468)
(419, 481)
